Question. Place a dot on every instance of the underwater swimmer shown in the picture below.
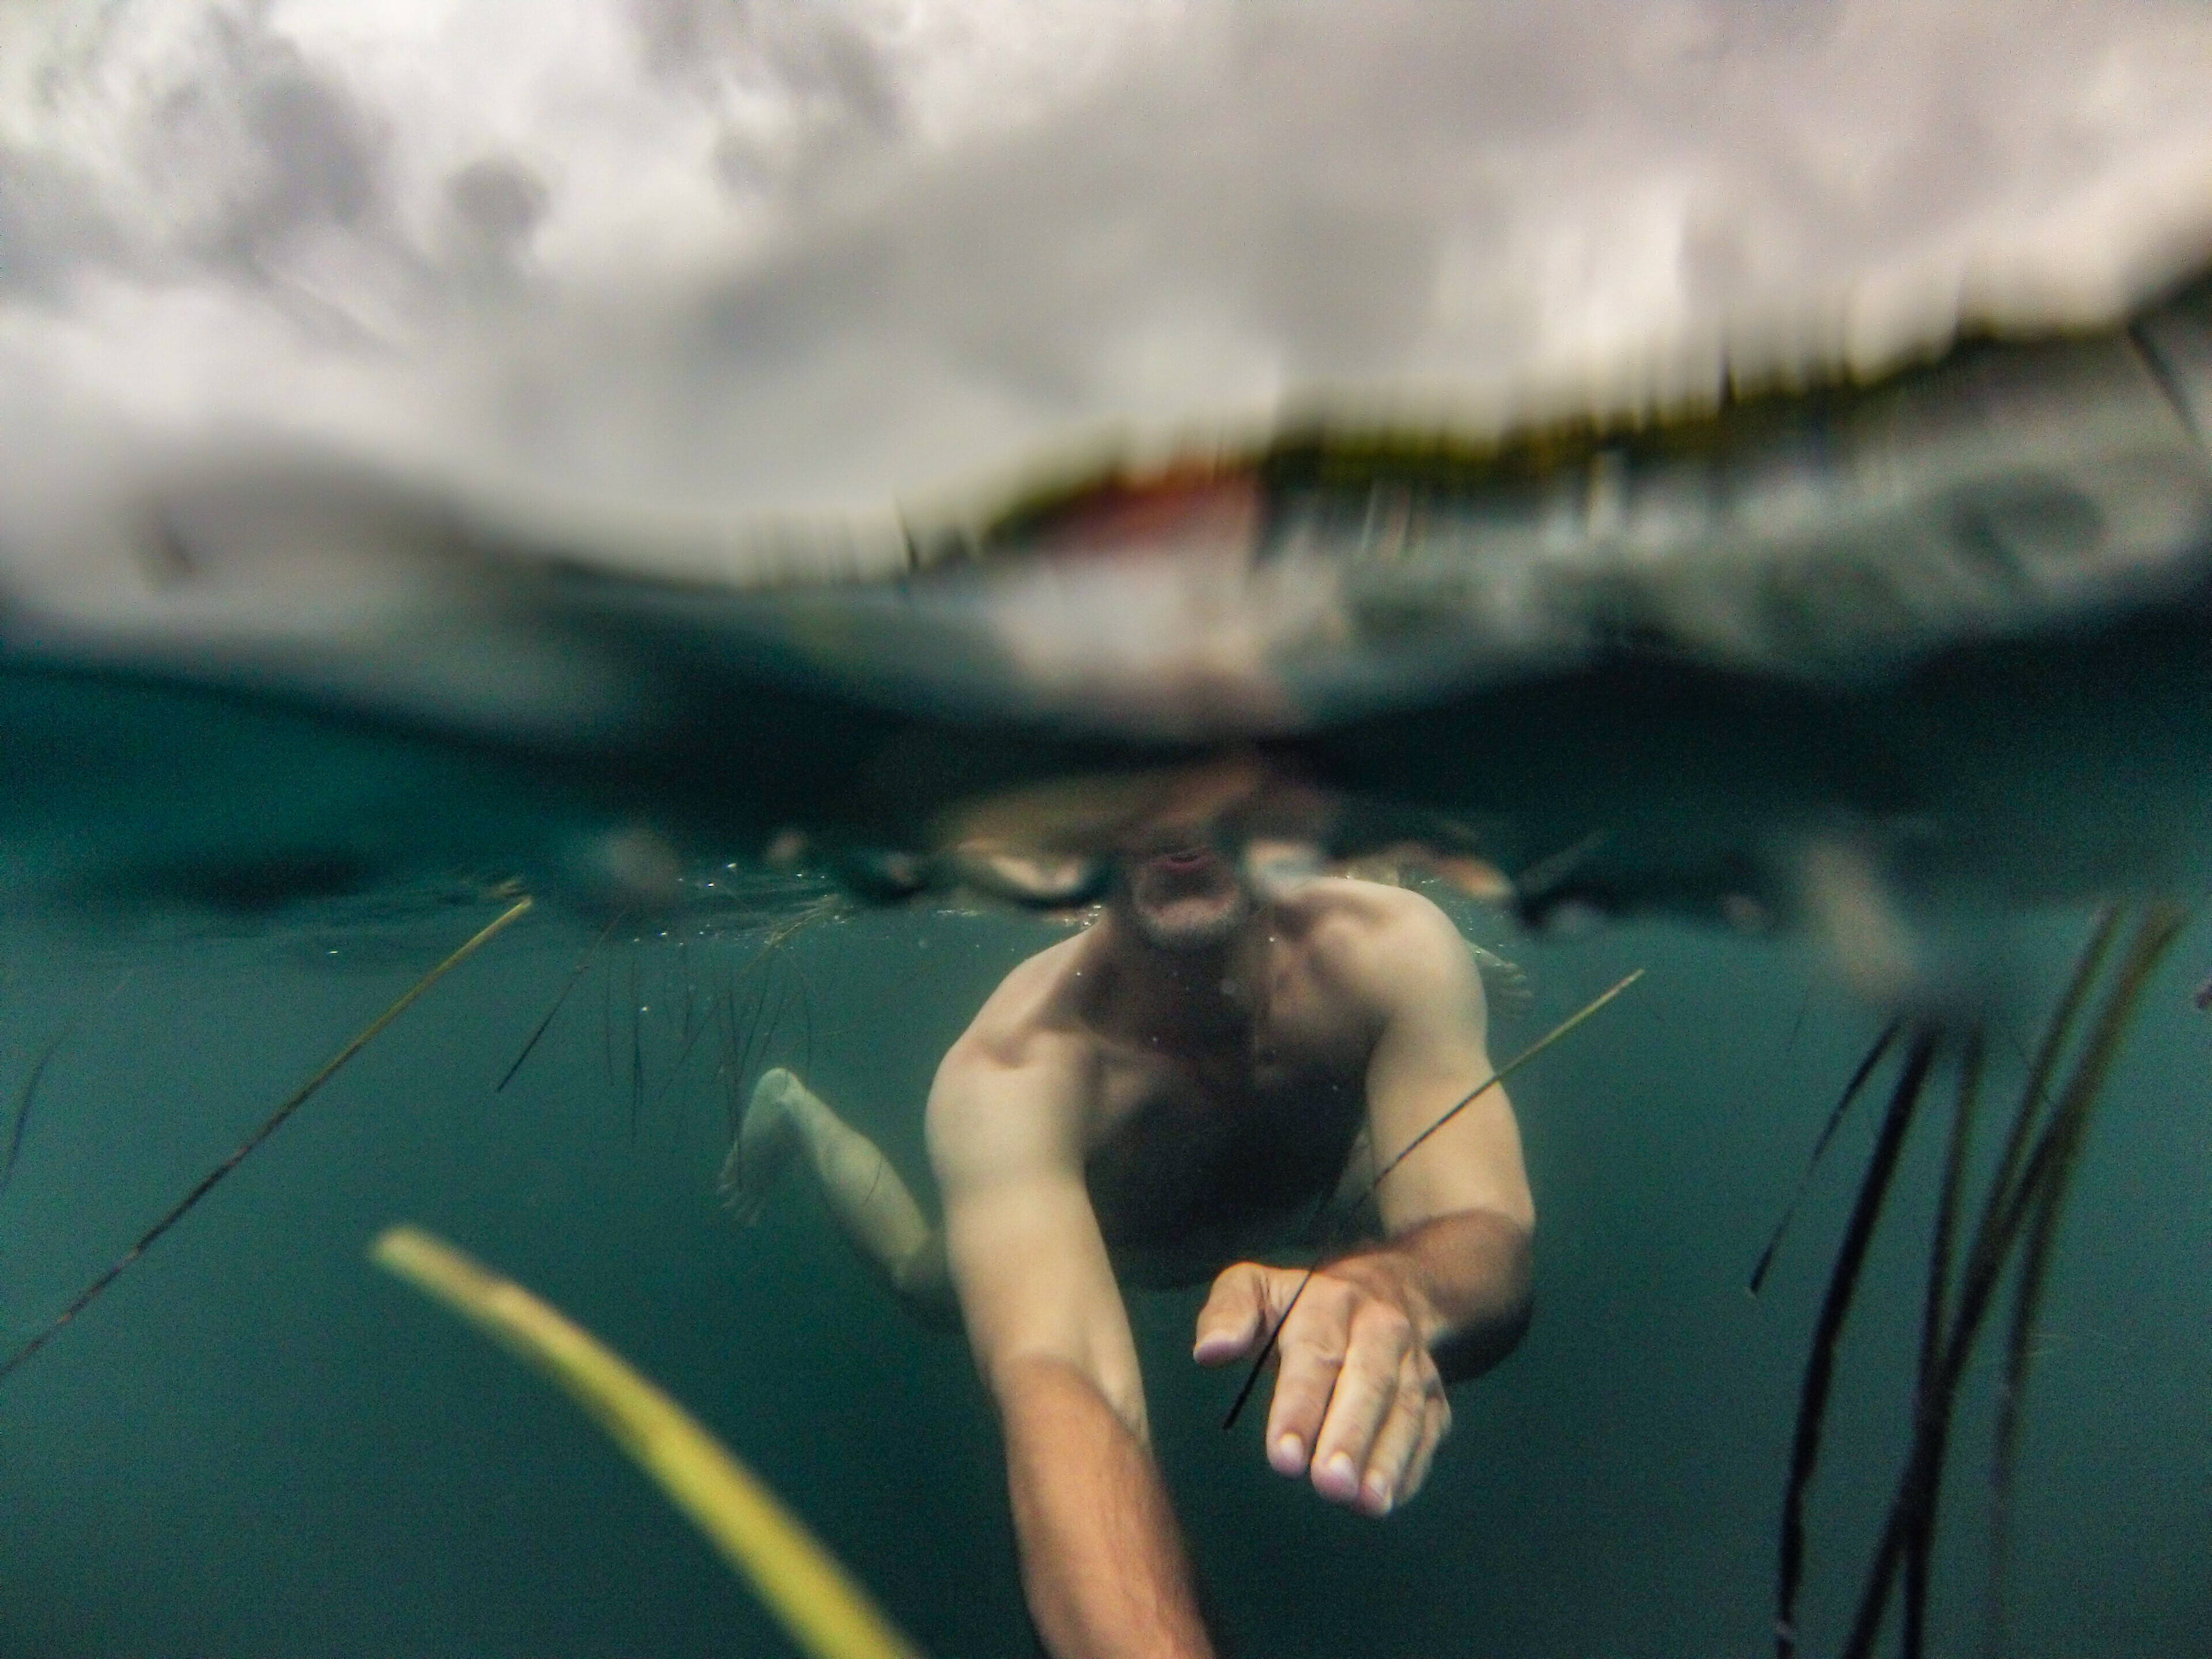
(1163, 1096)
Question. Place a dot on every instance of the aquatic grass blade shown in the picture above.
(1820, 1368)
(576, 972)
(28, 1098)
(2038, 1210)
(2012, 1392)
(269, 1127)
(1866, 1068)
(1554, 1035)
(694, 1028)
(825, 1611)
(2008, 1209)
(2016, 1195)
(1921, 1537)
(2048, 1049)
(1267, 1352)
(636, 1049)
(1267, 1348)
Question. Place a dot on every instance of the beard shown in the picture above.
(1182, 917)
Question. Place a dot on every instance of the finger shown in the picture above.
(1234, 1320)
(1400, 1438)
(1313, 1347)
(1437, 1419)
(1366, 1393)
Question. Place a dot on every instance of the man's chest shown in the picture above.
(1219, 1137)
(1297, 1050)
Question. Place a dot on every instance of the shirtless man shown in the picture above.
(1163, 1095)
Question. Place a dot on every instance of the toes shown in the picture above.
(738, 1198)
(763, 1145)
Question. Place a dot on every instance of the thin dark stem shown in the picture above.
(1820, 1370)
(725, 1039)
(2001, 1221)
(1267, 1348)
(607, 1023)
(2156, 933)
(692, 1033)
(1921, 1535)
(2006, 1210)
(636, 1050)
(2005, 1441)
(1866, 1067)
(755, 1038)
(2056, 1032)
(576, 972)
(26, 1100)
(270, 1126)
(806, 1017)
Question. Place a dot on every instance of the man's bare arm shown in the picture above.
(1103, 1565)
(1359, 1405)
(1472, 1271)
(1458, 1209)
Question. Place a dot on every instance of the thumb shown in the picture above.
(1234, 1320)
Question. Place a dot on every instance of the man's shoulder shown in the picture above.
(1340, 911)
(1008, 1093)
(1379, 940)
(1023, 1022)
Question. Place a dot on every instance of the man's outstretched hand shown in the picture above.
(1359, 1405)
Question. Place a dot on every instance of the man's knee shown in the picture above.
(924, 1283)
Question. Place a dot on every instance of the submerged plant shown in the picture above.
(2016, 1224)
(744, 1007)
(269, 1127)
(576, 972)
(825, 1611)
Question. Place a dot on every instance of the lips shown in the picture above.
(1184, 859)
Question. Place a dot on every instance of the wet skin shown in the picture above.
(1214, 1138)
(1161, 1093)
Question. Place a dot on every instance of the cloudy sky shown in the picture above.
(775, 256)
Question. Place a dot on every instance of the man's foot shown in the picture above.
(765, 1142)
(870, 1203)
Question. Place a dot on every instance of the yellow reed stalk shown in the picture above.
(827, 1612)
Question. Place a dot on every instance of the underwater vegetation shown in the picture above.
(1972, 1252)
(269, 1127)
(1881, 799)
(825, 1611)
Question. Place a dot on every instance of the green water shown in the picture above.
(1629, 512)
(256, 1444)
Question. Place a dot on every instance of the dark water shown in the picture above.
(257, 1444)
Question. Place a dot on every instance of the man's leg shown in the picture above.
(869, 1202)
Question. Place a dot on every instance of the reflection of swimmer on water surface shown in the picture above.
(1162, 1096)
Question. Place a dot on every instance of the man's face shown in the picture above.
(1180, 893)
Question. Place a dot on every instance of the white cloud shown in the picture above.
(774, 258)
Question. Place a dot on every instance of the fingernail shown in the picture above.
(1342, 1475)
(1289, 1455)
(1378, 1496)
